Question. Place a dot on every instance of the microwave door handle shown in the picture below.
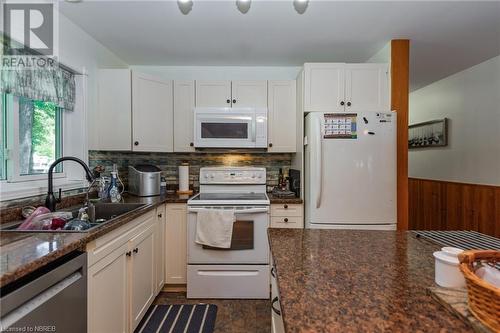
(319, 161)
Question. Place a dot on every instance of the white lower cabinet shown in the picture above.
(108, 293)
(123, 273)
(287, 216)
(277, 325)
(176, 235)
(160, 238)
(142, 274)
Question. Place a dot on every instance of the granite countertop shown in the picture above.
(357, 281)
(279, 200)
(22, 253)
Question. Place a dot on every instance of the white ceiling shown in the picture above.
(446, 37)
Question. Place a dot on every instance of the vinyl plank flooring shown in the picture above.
(233, 316)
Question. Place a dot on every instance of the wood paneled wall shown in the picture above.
(400, 83)
(441, 205)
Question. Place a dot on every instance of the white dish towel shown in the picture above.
(214, 227)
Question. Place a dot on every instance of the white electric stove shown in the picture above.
(241, 271)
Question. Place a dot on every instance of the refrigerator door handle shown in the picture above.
(319, 161)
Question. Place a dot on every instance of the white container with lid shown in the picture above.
(448, 274)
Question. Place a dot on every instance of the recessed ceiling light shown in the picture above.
(300, 5)
(185, 6)
(243, 5)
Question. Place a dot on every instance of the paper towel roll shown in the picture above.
(184, 177)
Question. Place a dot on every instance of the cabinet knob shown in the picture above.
(228, 101)
(128, 254)
(191, 144)
(270, 145)
(136, 250)
(285, 206)
(160, 215)
(342, 103)
(136, 143)
(348, 103)
(285, 219)
(234, 101)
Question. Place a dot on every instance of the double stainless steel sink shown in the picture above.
(99, 214)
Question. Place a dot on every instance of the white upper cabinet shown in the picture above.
(282, 117)
(324, 87)
(152, 113)
(346, 87)
(367, 87)
(183, 116)
(231, 93)
(249, 94)
(114, 116)
(213, 93)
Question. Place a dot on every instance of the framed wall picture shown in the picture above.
(432, 133)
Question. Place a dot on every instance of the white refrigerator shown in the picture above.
(350, 170)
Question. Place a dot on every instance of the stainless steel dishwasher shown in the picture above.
(51, 299)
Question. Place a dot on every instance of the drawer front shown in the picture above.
(228, 281)
(287, 222)
(286, 210)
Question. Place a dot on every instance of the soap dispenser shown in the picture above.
(114, 192)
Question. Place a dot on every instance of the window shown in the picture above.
(33, 137)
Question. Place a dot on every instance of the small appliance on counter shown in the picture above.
(144, 180)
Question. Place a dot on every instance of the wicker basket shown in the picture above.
(484, 298)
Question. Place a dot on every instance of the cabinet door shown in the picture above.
(183, 116)
(367, 87)
(142, 274)
(152, 114)
(213, 93)
(249, 94)
(114, 117)
(324, 87)
(160, 248)
(282, 117)
(108, 293)
(176, 234)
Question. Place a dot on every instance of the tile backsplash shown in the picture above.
(169, 162)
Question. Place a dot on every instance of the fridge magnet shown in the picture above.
(340, 126)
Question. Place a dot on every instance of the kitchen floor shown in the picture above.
(233, 316)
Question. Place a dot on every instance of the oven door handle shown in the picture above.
(236, 211)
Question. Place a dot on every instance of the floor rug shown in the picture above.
(179, 318)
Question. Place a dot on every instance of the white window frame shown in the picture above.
(73, 144)
(13, 172)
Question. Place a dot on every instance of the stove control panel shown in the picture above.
(232, 175)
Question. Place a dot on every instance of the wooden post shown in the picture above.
(400, 68)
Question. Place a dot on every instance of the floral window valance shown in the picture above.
(49, 84)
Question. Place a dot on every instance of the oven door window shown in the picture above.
(228, 130)
(242, 238)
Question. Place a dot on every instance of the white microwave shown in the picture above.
(230, 127)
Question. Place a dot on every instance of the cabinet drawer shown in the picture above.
(286, 222)
(286, 210)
